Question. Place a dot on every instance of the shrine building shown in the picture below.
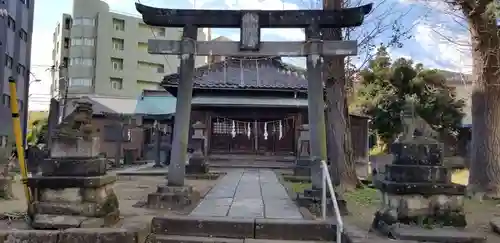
(254, 106)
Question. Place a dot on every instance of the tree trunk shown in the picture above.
(484, 177)
(340, 154)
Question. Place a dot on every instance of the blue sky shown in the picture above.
(438, 37)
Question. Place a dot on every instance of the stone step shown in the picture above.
(197, 239)
(444, 235)
(272, 229)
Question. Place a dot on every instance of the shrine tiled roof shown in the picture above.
(238, 73)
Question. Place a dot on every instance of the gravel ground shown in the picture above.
(132, 192)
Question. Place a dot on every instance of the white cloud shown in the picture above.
(447, 47)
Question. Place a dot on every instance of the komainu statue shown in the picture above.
(414, 125)
(78, 124)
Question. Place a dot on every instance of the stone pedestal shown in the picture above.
(417, 190)
(73, 190)
(302, 167)
(172, 197)
(178, 197)
(197, 162)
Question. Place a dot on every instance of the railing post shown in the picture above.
(327, 181)
(323, 190)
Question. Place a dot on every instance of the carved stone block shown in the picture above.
(172, 197)
(66, 202)
(416, 173)
(444, 210)
(76, 148)
(76, 166)
(407, 153)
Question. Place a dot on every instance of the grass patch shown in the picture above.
(460, 177)
(299, 187)
(292, 178)
(363, 197)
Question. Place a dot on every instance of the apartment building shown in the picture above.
(104, 53)
(16, 26)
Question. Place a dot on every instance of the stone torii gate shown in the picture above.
(250, 22)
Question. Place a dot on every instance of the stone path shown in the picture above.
(249, 193)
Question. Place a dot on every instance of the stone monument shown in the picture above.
(74, 189)
(197, 163)
(303, 162)
(416, 188)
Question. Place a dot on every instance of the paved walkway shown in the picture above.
(249, 193)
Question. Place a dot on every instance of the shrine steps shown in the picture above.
(188, 229)
(251, 161)
(252, 157)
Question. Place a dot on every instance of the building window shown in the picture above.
(8, 61)
(117, 64)
(119, 24)
(20, 68)
(159, 31)
(81, 61)
(6, 100)
(64, 63)
(66, 42)
(118, 44)
(11, 23)
(84, 21)
(67, 23)
(80, 82)
(4, 141)
(151, 67)
(222, 127)
(88, 41)
(23, 1)
(78, 41)
(116, 83)
(23, 35)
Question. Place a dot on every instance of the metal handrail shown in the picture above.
(327, 181)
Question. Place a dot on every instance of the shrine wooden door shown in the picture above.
(275, 137)
(224, 139)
